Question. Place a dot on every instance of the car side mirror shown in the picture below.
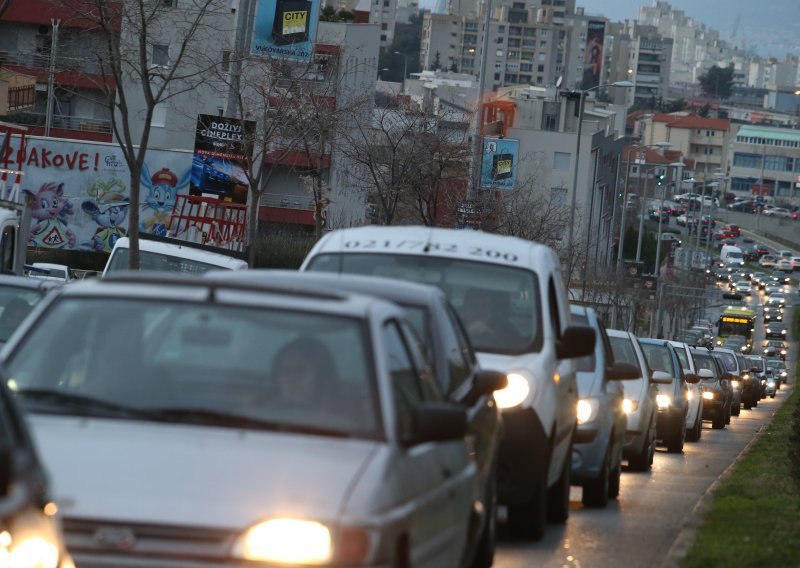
(755, 370)
(691, 378)
(484, 383)
(661, 378)
(705, 374)
(622, 371)
(438, 422)
(577, 341)
(6, 470)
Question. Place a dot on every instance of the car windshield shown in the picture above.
(728, 361)
(201, 363)
(499, 305)
(703, 361)
(658, 358)
(15, 303)
(159, 262)
(757, 363)
(51, 273)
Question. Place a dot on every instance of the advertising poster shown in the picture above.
(593, 55)
(285, 29)
(499, 163)
(222, 147)
(81, 192)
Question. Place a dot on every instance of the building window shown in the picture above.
(558, 196)
(159, 115)
(226, 61)
(383, 37)
(745, 160)
(778, 163)
(160, 55)
(384, 26)
(540, 68)
(742, 184)
(561, 161)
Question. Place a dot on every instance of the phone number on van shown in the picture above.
(424, 246)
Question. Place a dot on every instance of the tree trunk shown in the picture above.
(252, 226)
(133, 219)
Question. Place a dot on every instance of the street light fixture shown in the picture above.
(405, 67)
(676, 165)
(583, 93)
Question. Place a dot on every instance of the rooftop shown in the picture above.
(768, 132)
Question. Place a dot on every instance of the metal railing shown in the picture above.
(287, 201)
(61, 121)
(42, 61)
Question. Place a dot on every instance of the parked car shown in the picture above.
(716, 389)
(510, 295)
(747, 206)
(167, 385)
(452, 357)
(29, 516)
(49, 271)
(672, 398)
(602, 423)
(694, 395)
(639, 404)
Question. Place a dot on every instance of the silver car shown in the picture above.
(694, 415)
(190, 422)
(639, 403)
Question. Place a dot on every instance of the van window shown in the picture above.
(500, 306)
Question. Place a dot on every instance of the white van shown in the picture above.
(511, 298)
(171, 255)
(731, 256)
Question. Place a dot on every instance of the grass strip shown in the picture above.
(754, 517)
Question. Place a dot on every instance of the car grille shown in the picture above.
(87, 538)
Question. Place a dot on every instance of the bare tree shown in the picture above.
(147, 53)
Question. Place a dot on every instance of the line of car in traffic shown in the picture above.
(374, 408)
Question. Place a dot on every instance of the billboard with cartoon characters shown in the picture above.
(81, 192)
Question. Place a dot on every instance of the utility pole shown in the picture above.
(51, 76)
(473, 188)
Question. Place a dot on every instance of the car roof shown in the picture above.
(28, 282)
(179, 287)
(187, 251)
(400, 291)
(526, 252)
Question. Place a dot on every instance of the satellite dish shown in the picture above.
(559, 81)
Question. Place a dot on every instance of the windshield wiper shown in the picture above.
(232, 420)
(88, 404)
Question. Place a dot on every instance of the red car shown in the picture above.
(732, 229)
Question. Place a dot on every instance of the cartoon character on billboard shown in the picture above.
(162, 190)
(109, 211)
(50, 211)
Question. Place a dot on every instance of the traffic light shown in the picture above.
(661, 179)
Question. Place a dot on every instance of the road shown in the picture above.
(639, 529)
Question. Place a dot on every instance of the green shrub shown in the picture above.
(282, 250)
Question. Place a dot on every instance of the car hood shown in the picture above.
(177, 474)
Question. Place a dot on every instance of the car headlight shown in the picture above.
(744, 347)
(783, 331)
(588, 409)
(515, 393)
(771, 383)
(783, 351)
(735, 384)
(689, 395)
(763, 381)
(663, 400)
(629, 406)
(289, 541)
(708, 395)
(784, 374)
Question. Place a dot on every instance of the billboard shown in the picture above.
(499, 163)
(593, 54)
(285, 29)
(82, 191)
(222, 147)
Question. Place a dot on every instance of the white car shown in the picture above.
(743, 287)
(172, 255)
(511, 297)
(766, 261)
(778, 212)
(795, 260)
(48, 271)
(694, 415)
(776, 299)
(684, 197)
(681, 220)
(244, 425)
(784, 264)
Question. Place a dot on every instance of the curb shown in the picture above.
(683, 542)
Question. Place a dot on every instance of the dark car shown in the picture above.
(653, 212)
(743, 206)
(775, 329)
(781, 277)
(717, 393)
(672, 398)
(779, 371)
(772, 314)
(28, 517)
(751, 393)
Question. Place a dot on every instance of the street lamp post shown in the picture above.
(641, 217)
(582, 98)
(477, 143)
(676, 165)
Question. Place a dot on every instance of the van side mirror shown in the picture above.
(691, 378)
(577, 341)
(661, 378)
(6, 469)
(484, 383)
(622, 371)
(438, 422)
(705, 374)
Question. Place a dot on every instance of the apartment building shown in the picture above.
(703, 140)
(29, 43)
(528, 42)
(649, 64)
(766, 161)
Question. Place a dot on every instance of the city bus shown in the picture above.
(736, 320)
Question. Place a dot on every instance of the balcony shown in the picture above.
(290, 209)
(74, 127)
(17, 91)
(70, 71)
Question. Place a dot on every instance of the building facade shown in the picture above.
(650, 59)
(766, 161)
